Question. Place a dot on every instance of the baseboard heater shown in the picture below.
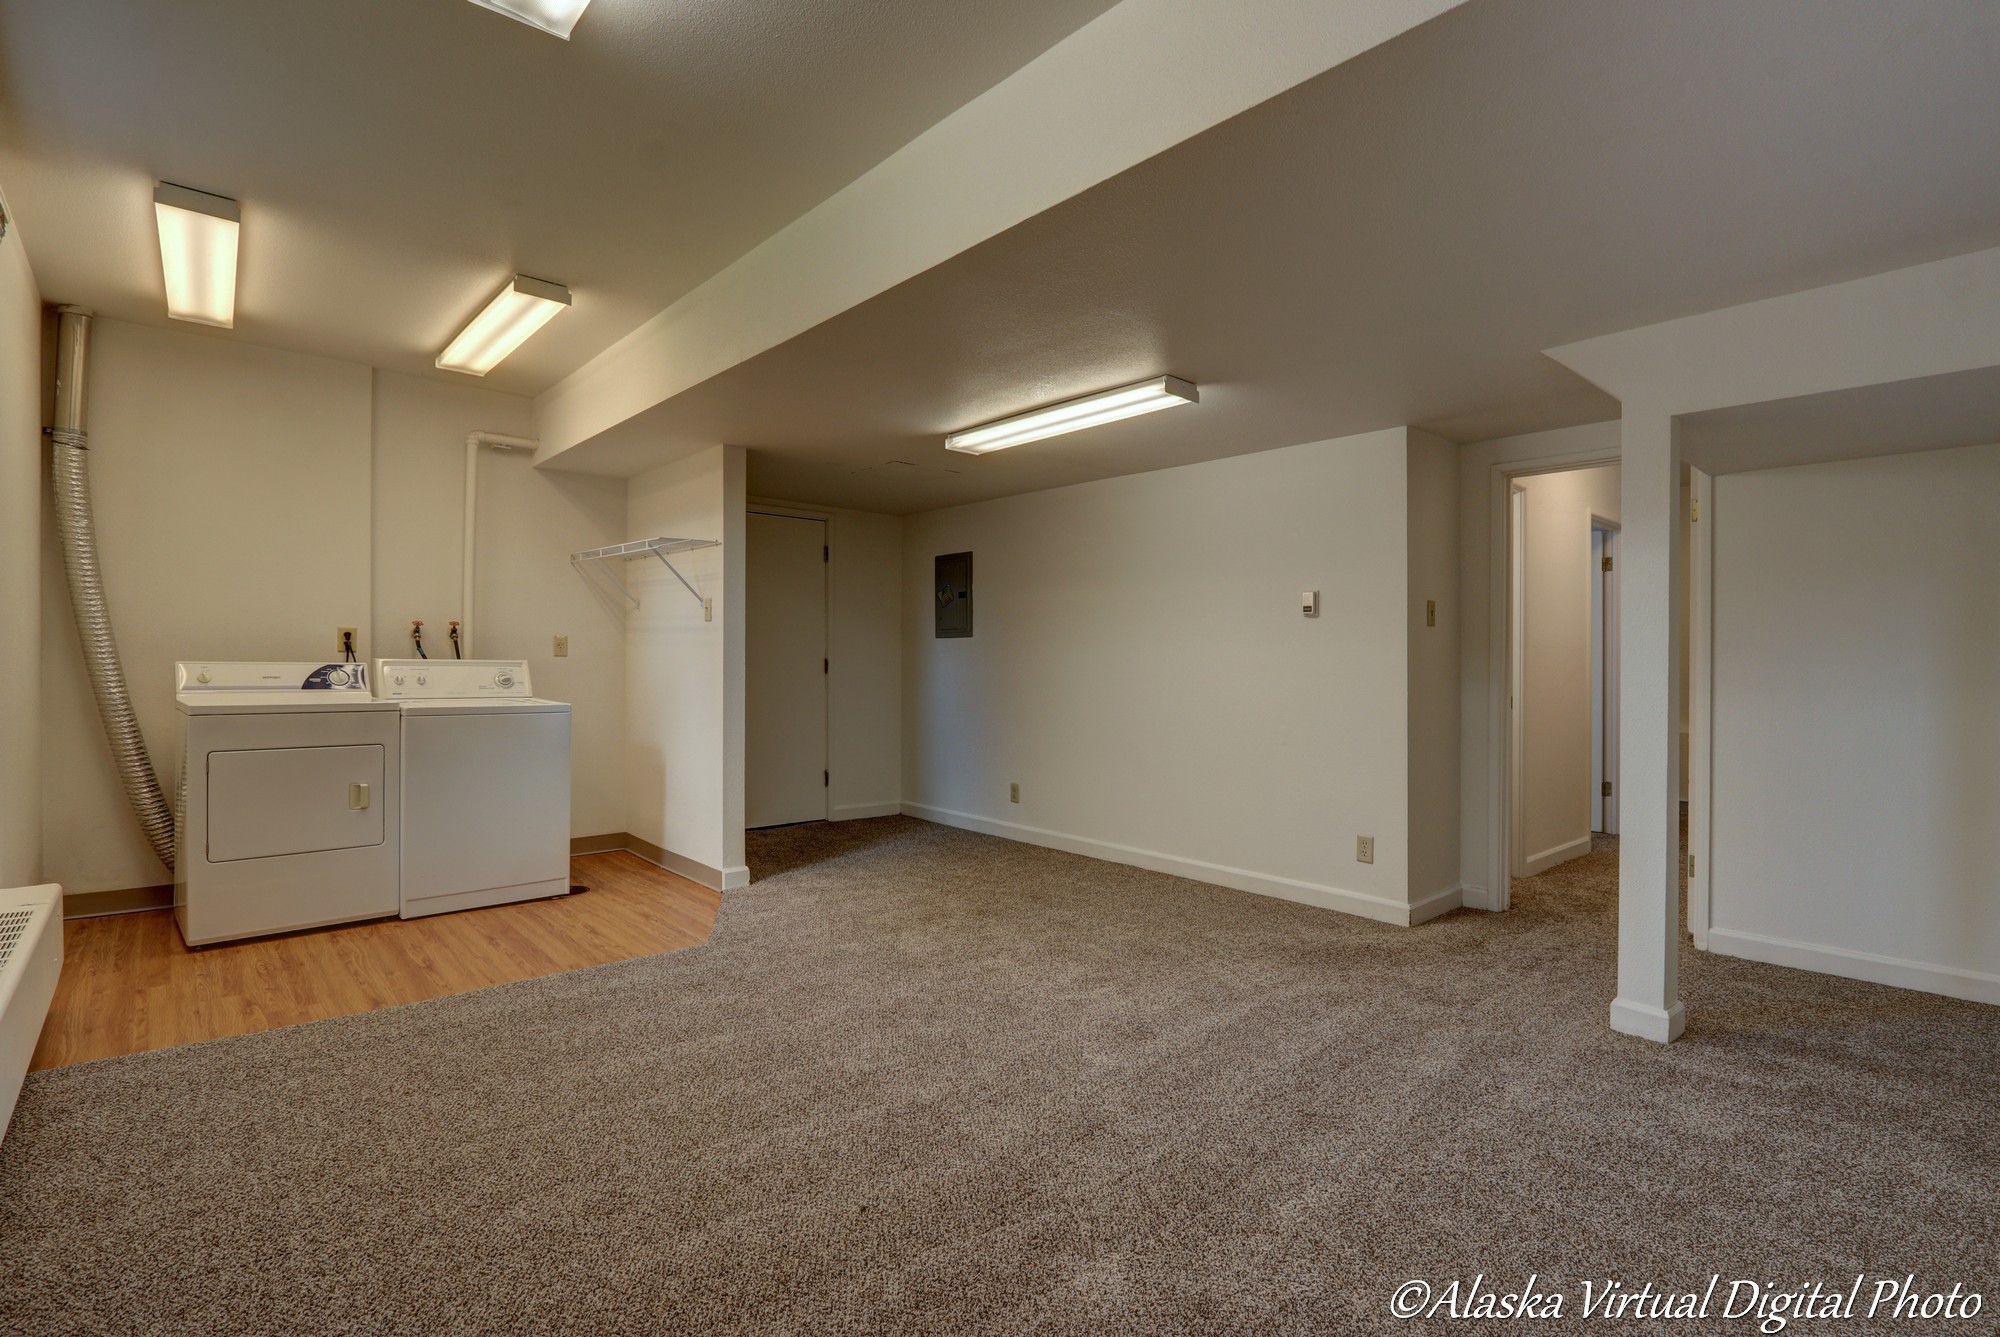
(31, 954)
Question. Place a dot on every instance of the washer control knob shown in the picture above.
(339, 678)
(503, 679)
(399, 680)
(204, 676)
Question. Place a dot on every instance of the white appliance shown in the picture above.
(485, 783)
(31, 957)
(291, 810)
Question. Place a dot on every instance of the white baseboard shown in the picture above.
(715, 879)
(1474, 898)
(1950, 981)
(1438, 903)
(848, 812)
(1563, 853)
(1379, 908)
(1647, 1021)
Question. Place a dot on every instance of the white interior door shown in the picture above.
(1607, 685)
(784, 693)
(1597, 771)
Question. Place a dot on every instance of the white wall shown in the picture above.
(683, 756)
(1857, 719)
(865, 654)
(232, 498)
(251, 501)
(21, 475)
(1140, 666)
(1433, 667)
(529, 523)
(1555, 701)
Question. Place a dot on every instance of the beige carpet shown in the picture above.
(927, 1081)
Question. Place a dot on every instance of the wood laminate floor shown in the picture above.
(129, 983)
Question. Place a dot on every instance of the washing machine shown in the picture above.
(485, 783)
(291, 806)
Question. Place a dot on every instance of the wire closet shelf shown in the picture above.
(605, 560)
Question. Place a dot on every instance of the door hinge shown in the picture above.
(1690, 867)
(1607, 789)
(1694, 509)
(826, 552)
(825, 778)
(826, 666)
(1607, 564)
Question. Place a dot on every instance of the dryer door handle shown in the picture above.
(357, 796)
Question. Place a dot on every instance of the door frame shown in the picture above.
(1701, 701)
(1517, 673)
(786, 511)
(1500, 840)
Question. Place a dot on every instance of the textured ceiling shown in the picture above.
(1394, 242)
(397, 160)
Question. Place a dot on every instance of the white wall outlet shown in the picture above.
(346, 639)
(1013, 793)
(1364, 849)
(708, 610)
(1309, 603)
(561, 647)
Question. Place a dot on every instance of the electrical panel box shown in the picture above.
(953, 594)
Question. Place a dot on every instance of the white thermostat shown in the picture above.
(1309, 603)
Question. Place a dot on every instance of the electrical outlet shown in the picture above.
(1364, 848)
(708, 610)
(345, 639)
(1013, 793)
(562, 646)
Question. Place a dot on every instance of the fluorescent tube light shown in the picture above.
(1073, 415)
(551, 16)
(198, 234)
(522, 307)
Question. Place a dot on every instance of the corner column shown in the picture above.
(1649, 816)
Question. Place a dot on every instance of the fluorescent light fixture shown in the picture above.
(551, 16)
(522, 307)
(1073, 415)
(197, 254)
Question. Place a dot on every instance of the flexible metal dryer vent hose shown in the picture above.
(71, 461)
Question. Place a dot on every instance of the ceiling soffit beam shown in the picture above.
(1924, 320)
(1141, 77)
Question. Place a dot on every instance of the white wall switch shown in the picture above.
(708, 610)
(1364, 849)
(1013, 793)
(1309, 603)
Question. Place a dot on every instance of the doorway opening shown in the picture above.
(785, 769)
(1561, 666)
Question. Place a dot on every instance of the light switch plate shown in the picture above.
(1309, 603)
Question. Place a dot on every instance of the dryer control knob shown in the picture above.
(422, 680)
(399, 680)
(204, 676)
(339, 678)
